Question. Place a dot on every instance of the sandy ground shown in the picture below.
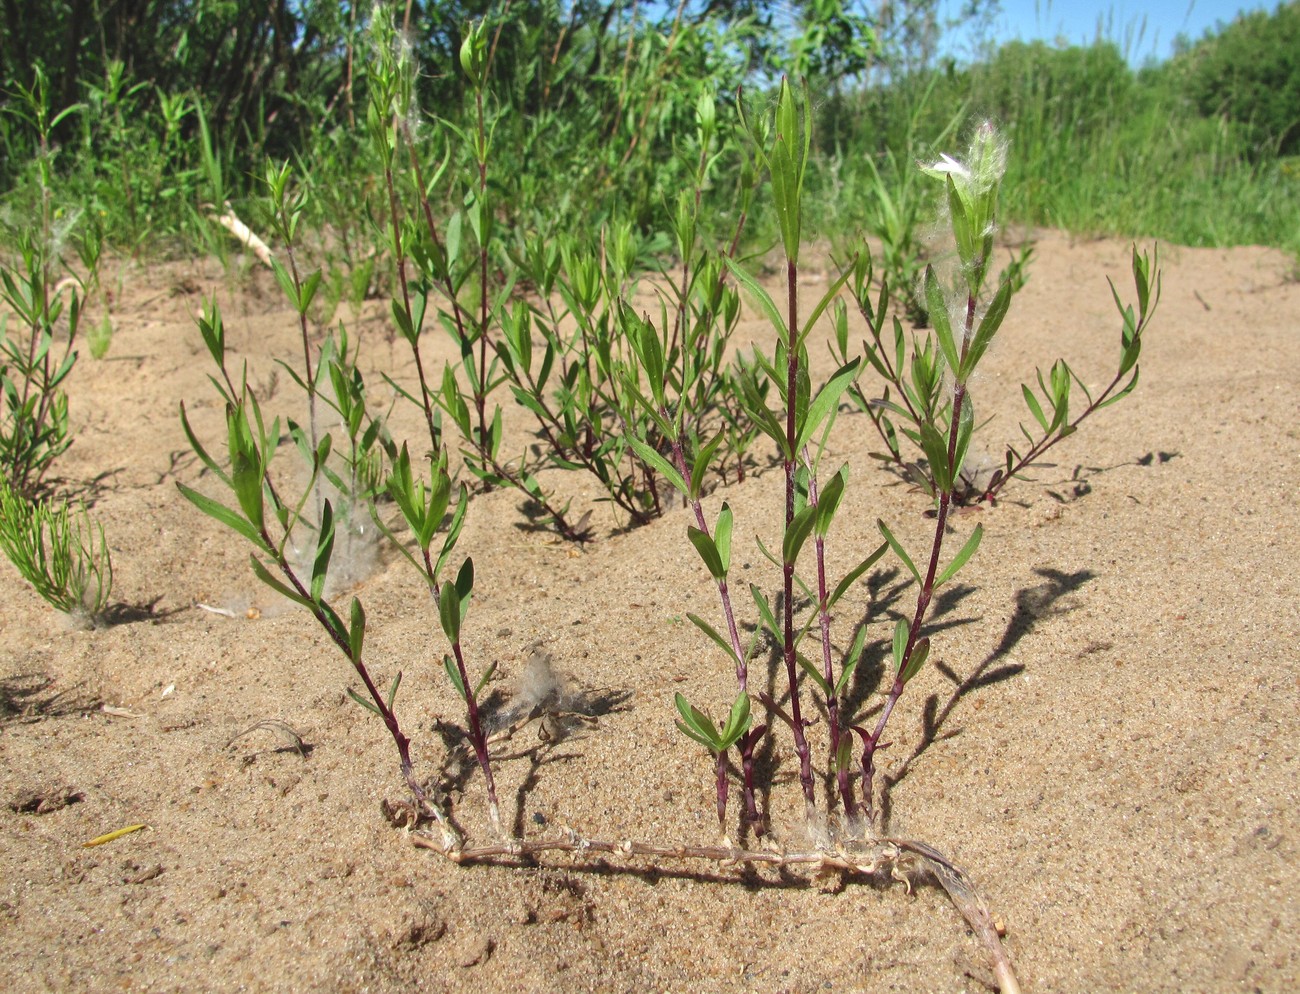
(1114, 763)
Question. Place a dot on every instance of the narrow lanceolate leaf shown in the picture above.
(214, 509)
(737, 722)
(827, 400)
(852, 576)
(453, 671)
(703, 457)
(920, 652)
(708, 552)
(938, 306)
(357, 630)
(935, 447)
(712, 633)
(201, 452)
(697, 725)
(368, 705)
(722, 536)
(965, 429)
(449, 615)
(810, 668)
(324, 550)
(764, 300)
(900, 643)
(832, 294)
(899, 551)
(271, 581)
(1124, 392)
(392, 690)
(960, 559)
(829, 500)
(852, 659)
(657, 462)
(988, 328)
(797, 534)
(1032, 403)
(764, 609)
(483, 680)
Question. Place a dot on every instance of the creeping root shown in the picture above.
(862, 858)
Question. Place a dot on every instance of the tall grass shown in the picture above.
(1088, 133)
(586, 112)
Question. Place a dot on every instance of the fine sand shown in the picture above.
(1106, 742)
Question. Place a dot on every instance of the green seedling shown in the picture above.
(60, 551)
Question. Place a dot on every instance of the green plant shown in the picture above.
(60, 551)
(36, 360)
(918, 399)
(568, 382)
(667, 403)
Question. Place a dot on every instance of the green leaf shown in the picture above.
(810, 668)
(935, 447)
(1032, 402)
(764, 610)
(324, 550)
(828, 501)
(991, 322)
(712, 633)
(657, 462)
(737, 723)
(797, 533)
(465, 582)
(938, 307)
(309, 287)
(283, 277)
(1124, 392)
(960, 559)
(357, 633)
(368, 705)
(827, 399)
(708, 552)
(697, 725)
(392, 689)
(965, 428)
(700, 466)
(275, 584)
(851, 577)
(722, 536)
(920, 652)
(449, 614)
(453, 671)
(852, 659)
(831, 294)
(483, 680)
(231, 519)
(898, 549)
(201, 452)
(900, 642)
(766, 304)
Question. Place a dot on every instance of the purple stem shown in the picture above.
(747, 742)
(872, 743)
(828, 673)
(791, 436)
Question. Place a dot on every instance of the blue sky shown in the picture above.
(1142, 28)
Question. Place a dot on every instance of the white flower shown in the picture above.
(947, 166)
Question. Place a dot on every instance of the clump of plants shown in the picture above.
(60, 551)
(55, 547)
(639, 394)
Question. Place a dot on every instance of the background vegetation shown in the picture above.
(170, 108)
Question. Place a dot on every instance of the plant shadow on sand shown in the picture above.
(30, 697)
(1033, 604)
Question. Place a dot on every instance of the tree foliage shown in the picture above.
(1249, 74)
